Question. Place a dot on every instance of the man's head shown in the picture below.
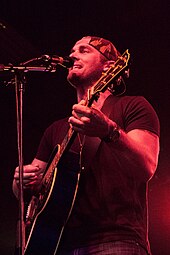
(92, 55)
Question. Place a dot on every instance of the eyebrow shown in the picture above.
(82, 46)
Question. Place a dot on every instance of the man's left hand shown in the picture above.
(89, 121)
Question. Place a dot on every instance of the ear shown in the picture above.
(107, 64)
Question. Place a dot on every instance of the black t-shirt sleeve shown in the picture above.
(45, 148)
(52, 136)
(139, 114)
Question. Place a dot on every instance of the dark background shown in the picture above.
(31, 28)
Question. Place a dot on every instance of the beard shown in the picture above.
(77, 80)
(74, 80)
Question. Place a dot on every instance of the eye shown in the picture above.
(84, 50)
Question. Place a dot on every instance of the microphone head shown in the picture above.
(68, 62)
(54, 59)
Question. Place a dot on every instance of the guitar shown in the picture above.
(54, 202)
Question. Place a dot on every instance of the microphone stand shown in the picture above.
(19, 81)
(19, 89)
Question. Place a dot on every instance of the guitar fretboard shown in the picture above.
(65, 145)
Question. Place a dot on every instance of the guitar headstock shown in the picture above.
(113, 73)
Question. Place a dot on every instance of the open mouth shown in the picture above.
(75, 66)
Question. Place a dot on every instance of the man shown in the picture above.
(119, 138)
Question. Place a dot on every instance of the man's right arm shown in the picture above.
(32, 175)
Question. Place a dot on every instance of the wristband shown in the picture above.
(113, 135)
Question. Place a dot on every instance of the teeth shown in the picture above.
(75, 67)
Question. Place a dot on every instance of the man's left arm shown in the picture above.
(139, 148)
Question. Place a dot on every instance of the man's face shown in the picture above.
(88, 65)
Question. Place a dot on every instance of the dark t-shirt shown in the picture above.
(111, 203)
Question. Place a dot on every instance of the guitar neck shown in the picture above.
(63, 148)
(68, 140)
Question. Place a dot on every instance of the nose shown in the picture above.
(74, 55)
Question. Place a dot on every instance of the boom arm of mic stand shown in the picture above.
(11, 68)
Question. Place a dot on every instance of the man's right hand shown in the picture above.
(32, 176)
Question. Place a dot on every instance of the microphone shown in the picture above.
(54, 60)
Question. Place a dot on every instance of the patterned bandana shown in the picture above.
(105, 47)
